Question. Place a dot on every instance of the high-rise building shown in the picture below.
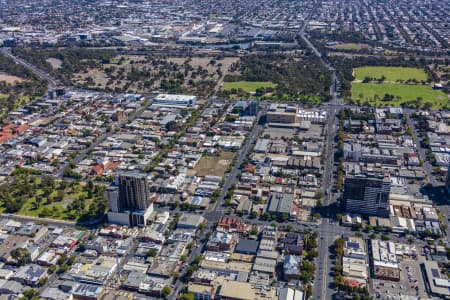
(366, 194)
(129, 202)
(134, 191)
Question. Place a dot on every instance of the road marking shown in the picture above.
(325, 262)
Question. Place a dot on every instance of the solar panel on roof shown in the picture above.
(352, 245)
(435, 273)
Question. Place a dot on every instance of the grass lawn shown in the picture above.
(58, 208)
(53, 209)
(352, 47)
(392, 74)
(406, 92)
(248, 86)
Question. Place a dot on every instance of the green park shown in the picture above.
(390, 74)
(44, 197)
(396, 86)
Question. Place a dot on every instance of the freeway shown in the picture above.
(51, 81)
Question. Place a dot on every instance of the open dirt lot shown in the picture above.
(10, 78)
(56, 63)
(214, 165)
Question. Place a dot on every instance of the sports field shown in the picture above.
(248, 86)
(401, 92)
(392, 74)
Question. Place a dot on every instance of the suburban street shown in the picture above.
(82, 154)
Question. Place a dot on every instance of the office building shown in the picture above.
(282, 114)
(367, 195)
(246, 108)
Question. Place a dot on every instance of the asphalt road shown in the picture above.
(215, 211)
(51, 81)
(323, 278)
(50, 222)
(427, 167)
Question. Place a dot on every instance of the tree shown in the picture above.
(152, 252)
(63, 268)
(29, 293)
(52, 269)
(187, 296)
(42, 281)
(166, 291)
(385, 237)
(21, 255)
(171, 126)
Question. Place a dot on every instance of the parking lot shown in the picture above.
(410, 286)
(278, 133)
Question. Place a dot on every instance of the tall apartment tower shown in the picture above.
(134, 191)
(129, 202)
(364, 194)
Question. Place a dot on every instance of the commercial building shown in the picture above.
(88, 292)
(291, 267)
(230, 290)
(384, 261)
(290, 294)
(354, 261)
(221, 241)
(436, 284)
(367, 194)
(30, 275)
(281, 204)
(190, 221)
(95, 272)
(282, 113)
(200, 291)
(171, 100)
(247, 247)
